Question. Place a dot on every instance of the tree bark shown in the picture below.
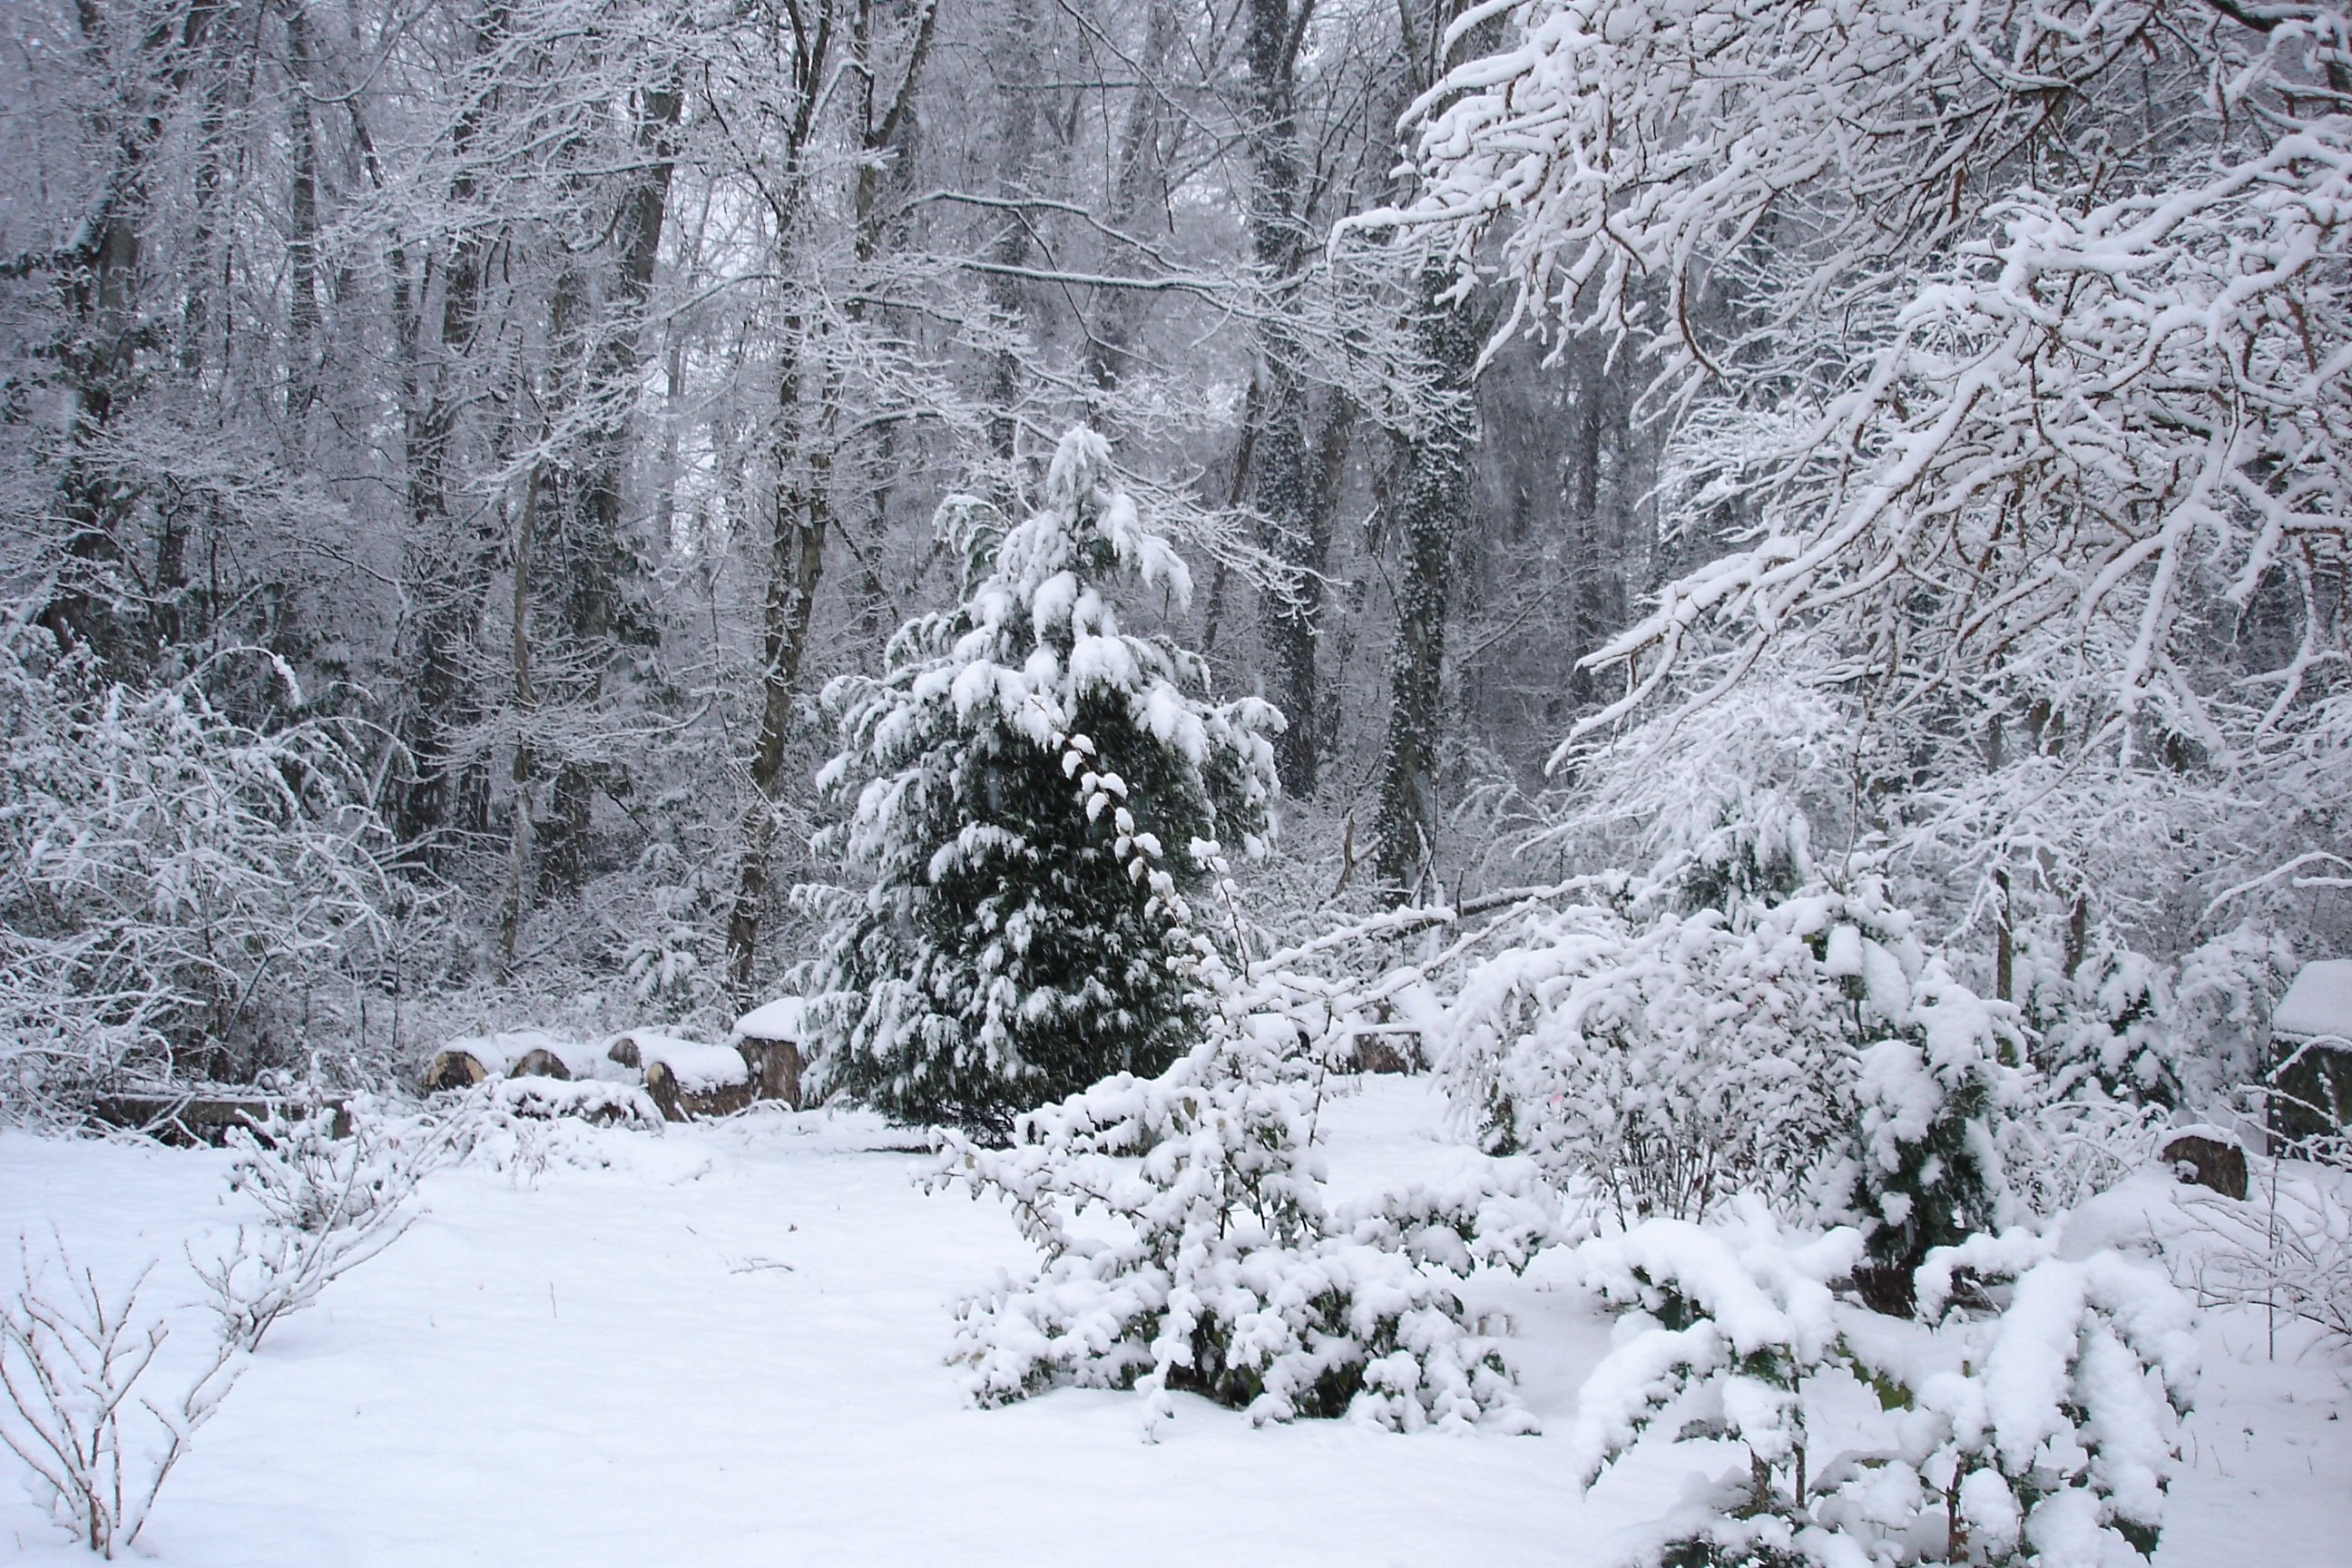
(1432, 502)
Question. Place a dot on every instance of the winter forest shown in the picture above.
(1274, 781)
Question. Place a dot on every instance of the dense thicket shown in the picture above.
(556, 394)
(508, 414)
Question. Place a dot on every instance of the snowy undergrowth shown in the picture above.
(2041, 1426)
(1227, 1273)
(1808, 1050)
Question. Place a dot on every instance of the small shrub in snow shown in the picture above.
(307, 1179)
(1225, 1272)
(74, 1364)
(2287, 1249)
(2061, 1151)
(2043, 1435)
(1030, 790)
(1925, 1170)
(332, 1203)
(2130, 1027)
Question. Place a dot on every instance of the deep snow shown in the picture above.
(726, 1348)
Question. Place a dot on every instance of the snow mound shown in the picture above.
(2319, 1003)
(698, 1067)
(776, 1020)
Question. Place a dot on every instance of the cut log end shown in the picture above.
(454, 1069)
(679, 1103)
(776, 1065)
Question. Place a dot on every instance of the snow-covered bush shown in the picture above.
(169, 879)
(1029, 793)
(2043, 1434)
(1670, 1063)
(2287, 1249)
(330, 1205)
(1221, 1270)
(1929, 1100)
(1672, 1059)
(76, 1362)
(2132, 1026)
(2053, 1441)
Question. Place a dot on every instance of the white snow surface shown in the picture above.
(499, 1053)
(776, 1020)
(723, 1344)
(2318, 1002)
(695, 1065)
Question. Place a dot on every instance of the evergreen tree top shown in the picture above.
(1035, 635)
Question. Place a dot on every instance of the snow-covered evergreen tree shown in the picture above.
(1029, 793)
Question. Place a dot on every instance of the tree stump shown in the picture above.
(2206, 1161)
(775, 1066)
(769, 1036)
(1388, 1051)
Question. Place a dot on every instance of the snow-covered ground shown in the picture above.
(726, 1346)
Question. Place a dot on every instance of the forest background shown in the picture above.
(450, 447)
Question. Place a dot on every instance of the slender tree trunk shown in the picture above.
(1283, 459)
(599, 563)
(302, 316)
(1017, 144)
(101, 288)
(449, 558)
(802, 515)
(525, 702)
(1142, 173)
(1433, 516)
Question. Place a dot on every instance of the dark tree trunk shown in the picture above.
(1433, 515)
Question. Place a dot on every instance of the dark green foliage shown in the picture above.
(1026, 787)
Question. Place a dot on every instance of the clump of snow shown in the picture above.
(591, 1100)
(776, 1020)
(2318, 1004)
(698, 1067)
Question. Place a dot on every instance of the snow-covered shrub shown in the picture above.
(2135, 1027)
(2108, 1028)
(2043, 1434)
(1029, 793)
(1223, 1270)
(331, 1204)
(2053, 1441)
(2059, 1152)
(75, 1365)
(169, 879)
(307, 1179)
(1674, 1058)
(1930, 1098)
(2287, 1249)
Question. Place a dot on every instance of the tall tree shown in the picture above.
(1033, 793)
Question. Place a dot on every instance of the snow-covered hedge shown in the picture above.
(1221, 1270)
